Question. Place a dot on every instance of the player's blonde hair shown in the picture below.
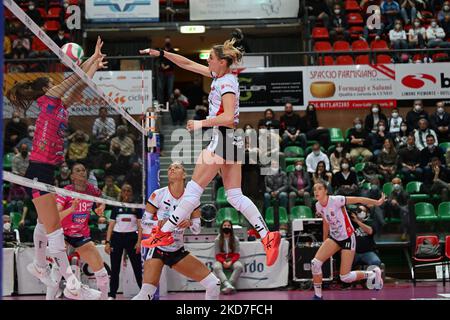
(228, 51)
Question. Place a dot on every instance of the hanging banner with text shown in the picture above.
(122, 11)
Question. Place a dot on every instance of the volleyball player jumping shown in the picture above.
(162, 204)
(337, 225)
(222, 153)
(46, 154)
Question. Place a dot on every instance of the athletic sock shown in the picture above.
(102, 279)
(40, 246)
(318, 289)
(212, 285)
(147, 291)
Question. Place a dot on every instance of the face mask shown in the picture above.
(446, 8)
(375, 110)
(417, 108)
(404, 128)
(395, 115)
(440, 110)
(16, 120)
(31, 134)
(311, 108)
(316, 153)
(339, 149)
(7, 226)
(65, 5)
(31, 7)
(417, 24)
(248, 131)
(298, 167)
(337, 11)
(101, 226)
(433, 24)
(382, 128)
(398, 27)
(61, 37)
(345, 166)
(226, 230)
(431, 147)
(397, 187)
(65, 170)
(358, 126)
(361, 215)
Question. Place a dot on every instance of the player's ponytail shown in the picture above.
(230, 51)
(23, 94)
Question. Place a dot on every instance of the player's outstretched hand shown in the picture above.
(150, 52)
(193, 125)
(381, 200)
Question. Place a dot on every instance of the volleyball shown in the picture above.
(74, 51)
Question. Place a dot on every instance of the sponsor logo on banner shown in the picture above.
(122, 10)
(417, 81)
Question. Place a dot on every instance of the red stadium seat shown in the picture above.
(447, 247)
(383, 59)
(320, 33)
(360, 45)
(53, 13)
(341, 46)
(325, 61)
(356, 31)
(355, 19)
(379, 45)
(433, 240)
(440, 57)
(9, 15)
(352, 5)
(42, 12)
(364, 59)
(344, 60)
(73, 2)
(322, 46)
(52, 25)
(54, 4)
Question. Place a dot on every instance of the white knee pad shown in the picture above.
(238, 200)
(316, 266)
(349, 277)
(56, 242)
(190, 202)
(40, 231)
(212, 285)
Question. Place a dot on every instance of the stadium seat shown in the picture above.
(221, 198)
(447, 249)
(53, 13)
(293, 151)
(413, 188)
(431, 239)
(331, 149)
(290, 168)
(341, 45)
(42, 12)
(320, 33)
(356, 31)
(440, 57)
(352, 5)
(227, 214)
(7, 161)
(336, 135)
(270, 216)
(360, 45)
(444, 211)
(15, 220)
(344, 60)
(308, 150)
(379, 45)
(364, 59)
(301, 212)
(107, 214)
(425, 212)
(444, 146)
(387, 188)
(99, 173)
(52, 25)
(320, 46)
(325, 61)
(355, 18)
(366, 186)
(383, 59)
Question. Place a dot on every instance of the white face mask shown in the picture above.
(16, 120)
(404, 128)
(337, 11)
(397, 187)
(339, 149)
(417, 24)
(418, 108)
(316, 153)
(440, 110)
(298, 167)
(345, 166)
(358, 126)
(382, 128)
(7, 227)
(375, 110)
(446, 8)
(248, 131)
(395, 115)
(101, 226)
(361, 215)
(31, 7)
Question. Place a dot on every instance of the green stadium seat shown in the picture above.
(331, 149)
(425, 212)
(359, 167)
(413, 188)
(107, 214)
(290, 168)
(311, 142)
(444, 211)
(347, 131)
(227, 214)
(7, 161)
(387, 188)
(336, 135)
(270, 220)
(99, 174)
(308, 150)
(293, 154)
(221, 198)
(301, 212)
(366, 186)
(15, 219)
(445, 146)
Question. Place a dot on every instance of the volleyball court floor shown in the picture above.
(391, 291)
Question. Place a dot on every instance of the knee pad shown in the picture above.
(237, 199)
(316, 266)
(40, 231)
(193, 193)
(348, 278)
(56, 242)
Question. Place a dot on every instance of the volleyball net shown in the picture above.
(104, 133)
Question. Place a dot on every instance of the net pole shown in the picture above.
(2, 32)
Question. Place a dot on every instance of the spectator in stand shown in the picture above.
(359, 141)
(269, 120)
(345, 181)
(60, 39)
(422, 133)
(370, 29)
(336, 157)
(194, 92)
(390, 10)
(118, 164)
(63, 178)
(387, 160)
(21, 161)
(34, 14)
(20, 50)
(125, 143)
(394, 123)
(444, 11)
(314, 131)
(201, 110)
(338, 26)
(413, 116)
(416, 35)
(111, 190)
(104, 127)
(436, 36)
(323, 175)
(408, 10)
(166, 77)
(134, 179)
(16, 199)
(38, 48)
(440, 122)
(178, 106)
(402, 137)
(28, 140)
(227, 254)
(63, 14)
(78, 148)
(7, 47)
(317, 10)
(446, 25)
(299, 185)
(15, 130)
(397, 205)
(315, 157)
(409, 160)
(430, 152)
(98, 233)
(276, 186)
(291, 128)
(372, 119)
(377, 139)
(437, 180)
(397, 37)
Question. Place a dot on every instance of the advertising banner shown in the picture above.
(8, 272)
(122, 11)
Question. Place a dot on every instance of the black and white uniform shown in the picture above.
(165, 203)
(341, 228)
(225, 142)
(124, 237)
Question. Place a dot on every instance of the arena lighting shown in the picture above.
(192, 29)
(204, 55)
